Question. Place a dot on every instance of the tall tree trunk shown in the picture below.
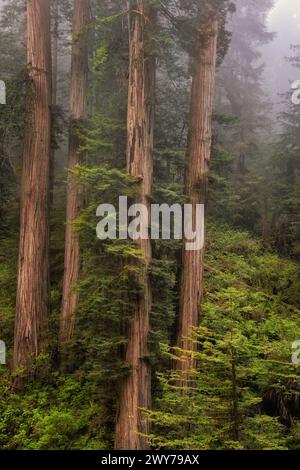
(54, 93)
(33, 269)
(78, 112)
(196, 177)
(136, 387)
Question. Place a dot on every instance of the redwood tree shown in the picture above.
(136, 387)
(33, 267)
(197, 170)
(78, 113)
(54, 48)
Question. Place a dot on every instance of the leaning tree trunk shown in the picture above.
(78, 111)
(132, 425)
(33, 267)
(196, 181)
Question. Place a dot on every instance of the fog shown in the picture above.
(284, 20)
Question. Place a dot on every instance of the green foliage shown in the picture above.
(245, 392)
(244, 323)
(58, 414)
(245, 387)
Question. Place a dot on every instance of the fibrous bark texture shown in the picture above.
(132, 424)
(33, 266)
(196, 180)
(78, 113)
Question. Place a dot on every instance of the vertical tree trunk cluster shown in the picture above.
(196, 178)
(78, 113)
(33, 265)
(132, 424)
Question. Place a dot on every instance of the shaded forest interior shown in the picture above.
(143, 344)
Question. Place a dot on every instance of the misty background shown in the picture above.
(284, 20)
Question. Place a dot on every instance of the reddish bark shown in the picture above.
(33, 267)
(132, 424)
(78, 113)
(196, 179)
